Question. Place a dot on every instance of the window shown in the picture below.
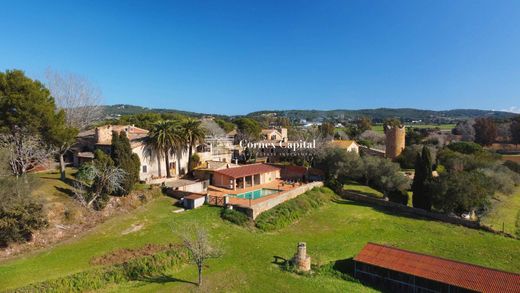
(145, 168)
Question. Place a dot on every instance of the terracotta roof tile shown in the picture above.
(443, 270)
(247, 170)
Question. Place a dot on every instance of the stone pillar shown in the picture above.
(301, 260)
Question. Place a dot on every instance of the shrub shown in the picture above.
(19, 218)
(20, 212)
(465, 147)
(291, 210)
(398, 196)
(235, 217)
(99, 278)
(513, 166)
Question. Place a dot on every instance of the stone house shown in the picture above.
(101, 138)
(349, 145)
(273, 134)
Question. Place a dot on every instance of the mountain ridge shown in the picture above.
(405, 114)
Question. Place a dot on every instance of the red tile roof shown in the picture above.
(247, 170)
(446, 271)
(194, 196)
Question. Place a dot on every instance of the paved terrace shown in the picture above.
(277, 184)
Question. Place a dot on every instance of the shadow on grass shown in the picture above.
(383, 209)
(66, 191)
(365, 193)
(162, 279)
(345, 266)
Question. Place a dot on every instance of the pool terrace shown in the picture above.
(278, 184)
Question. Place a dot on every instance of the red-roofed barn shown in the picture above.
(398, 270)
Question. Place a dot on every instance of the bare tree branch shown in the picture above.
(197, 242)
(80, 100)
(25, 151)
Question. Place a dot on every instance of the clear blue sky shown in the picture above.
(235, 57)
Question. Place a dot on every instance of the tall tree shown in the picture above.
(165, 136)
(27, 109)
(248, 128)
(465, 129)
(193, 134)
(125, 159)
(515, 131)
(485, 131)
(327, 130)
(462, 192)
(80, 103)
(423, 174)
(363, 124)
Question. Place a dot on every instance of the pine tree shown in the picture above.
(423, 174)
(126, 160)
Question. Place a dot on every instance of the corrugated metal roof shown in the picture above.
(443, 270)
(247, 170)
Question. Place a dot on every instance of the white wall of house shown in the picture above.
(149, 168)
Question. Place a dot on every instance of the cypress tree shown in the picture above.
(418, 182)
(126, 160)
(423, 174)
(427, 162)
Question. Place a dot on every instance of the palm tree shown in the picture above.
(165, 137)
(193, 133)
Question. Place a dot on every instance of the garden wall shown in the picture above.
(258, 208)
(419, 212)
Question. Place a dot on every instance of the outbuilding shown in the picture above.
(397, 270)
(193, 200)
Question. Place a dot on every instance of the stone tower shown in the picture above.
(104, 134)
(395, 141)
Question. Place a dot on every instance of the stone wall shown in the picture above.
(258, 208)
(419, 212)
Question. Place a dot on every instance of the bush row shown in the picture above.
(291, 210)
(94, 279)
(235, 217)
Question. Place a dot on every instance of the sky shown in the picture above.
(235, 57)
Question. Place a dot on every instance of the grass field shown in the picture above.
(336, 231)
(379, 127)
(505, 213)
(363, 189)
(56, 195)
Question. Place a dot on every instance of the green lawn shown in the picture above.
(363, 189)
(505, 213)
(334, 232)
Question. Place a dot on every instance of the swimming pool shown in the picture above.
(255, 193)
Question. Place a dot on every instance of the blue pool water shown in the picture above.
(255, 193)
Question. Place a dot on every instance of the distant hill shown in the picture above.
(123, 109)
(378, 115)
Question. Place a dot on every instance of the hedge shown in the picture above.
(292, 210)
